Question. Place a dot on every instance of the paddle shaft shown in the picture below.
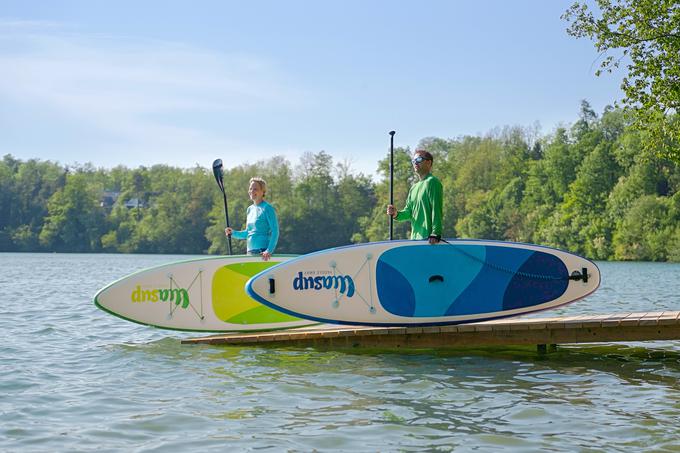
(391, 180)
(226, 215)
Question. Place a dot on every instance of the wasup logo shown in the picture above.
(343, 283)
(176, 295)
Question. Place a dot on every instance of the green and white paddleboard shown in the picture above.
(203, 295)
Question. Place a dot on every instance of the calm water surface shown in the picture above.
(73, 378)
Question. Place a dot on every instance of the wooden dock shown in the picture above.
(542, 332)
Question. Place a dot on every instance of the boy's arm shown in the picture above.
(274, 225)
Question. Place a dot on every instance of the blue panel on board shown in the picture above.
(436, 275)
(397, 295)
(455, 280)
(485, 292)
(524, 291)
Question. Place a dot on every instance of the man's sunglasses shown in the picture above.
(418, 160)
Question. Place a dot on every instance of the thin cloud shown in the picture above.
(136, 92)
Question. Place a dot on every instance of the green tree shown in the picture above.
(8, 167)
(647, 33)
(581, 226)
(376, 225)
(499, 216)
(647, 230)
(75, 220)
(25, 188)
(177, 213)
(316, 208)
(126, 231)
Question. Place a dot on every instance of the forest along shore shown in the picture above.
(585, 189)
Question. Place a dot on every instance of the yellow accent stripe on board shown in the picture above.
(231, 303)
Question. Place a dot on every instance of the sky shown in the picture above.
(183, 83)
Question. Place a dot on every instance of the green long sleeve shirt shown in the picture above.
(424, 208)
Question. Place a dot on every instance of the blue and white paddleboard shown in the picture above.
(407, 283)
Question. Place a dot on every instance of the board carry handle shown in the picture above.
(272, 286)
(583, 275)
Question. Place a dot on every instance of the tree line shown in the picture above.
(586, 188)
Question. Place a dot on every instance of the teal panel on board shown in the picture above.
(435, 275)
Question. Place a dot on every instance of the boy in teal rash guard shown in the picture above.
(262, 226)
(424, 202)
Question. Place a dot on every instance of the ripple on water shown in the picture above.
(76, 378)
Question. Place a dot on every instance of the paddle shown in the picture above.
(219, 177)
(391, 179)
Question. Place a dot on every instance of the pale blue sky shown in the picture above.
(181, 83)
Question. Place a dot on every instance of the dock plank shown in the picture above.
(593, 328)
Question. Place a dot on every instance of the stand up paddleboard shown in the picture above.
(411, 283)
(203, 295)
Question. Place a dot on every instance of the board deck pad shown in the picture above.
(203, 295)
(402, 283)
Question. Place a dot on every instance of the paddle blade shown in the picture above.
(218, 172)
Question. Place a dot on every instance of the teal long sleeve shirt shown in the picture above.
(424, 208)
(262, 228)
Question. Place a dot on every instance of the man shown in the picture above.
(424, 202)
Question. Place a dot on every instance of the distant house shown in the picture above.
(108, 199)
(134, 203)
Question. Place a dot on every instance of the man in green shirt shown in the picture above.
(424, 202)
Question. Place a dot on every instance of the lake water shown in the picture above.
(74, 378)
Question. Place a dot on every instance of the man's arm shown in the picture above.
(437, 202)
(405, 214)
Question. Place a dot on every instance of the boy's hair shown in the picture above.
(261, 182)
